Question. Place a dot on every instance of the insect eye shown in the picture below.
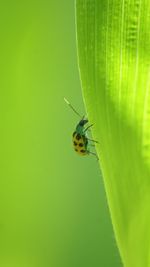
(83, 122)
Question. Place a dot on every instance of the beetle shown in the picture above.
(80, 138)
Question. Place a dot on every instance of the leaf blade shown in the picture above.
(113, 39)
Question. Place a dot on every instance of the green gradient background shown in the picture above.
(53, 210)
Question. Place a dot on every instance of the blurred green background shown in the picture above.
(53, 209)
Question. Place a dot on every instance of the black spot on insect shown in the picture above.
(73, 134)
(82, 151)
(75, 143)
(80, 144)
(76, 149)
(78, 136)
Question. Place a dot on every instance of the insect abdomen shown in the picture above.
(80, 144)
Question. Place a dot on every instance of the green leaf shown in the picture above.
(113, 38)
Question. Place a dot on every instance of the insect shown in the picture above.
(80, 138)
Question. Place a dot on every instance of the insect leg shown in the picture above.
(94, 154)
(88, 128)
(91, 145)
(92, 140)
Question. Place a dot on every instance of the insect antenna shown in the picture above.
(68, 103)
